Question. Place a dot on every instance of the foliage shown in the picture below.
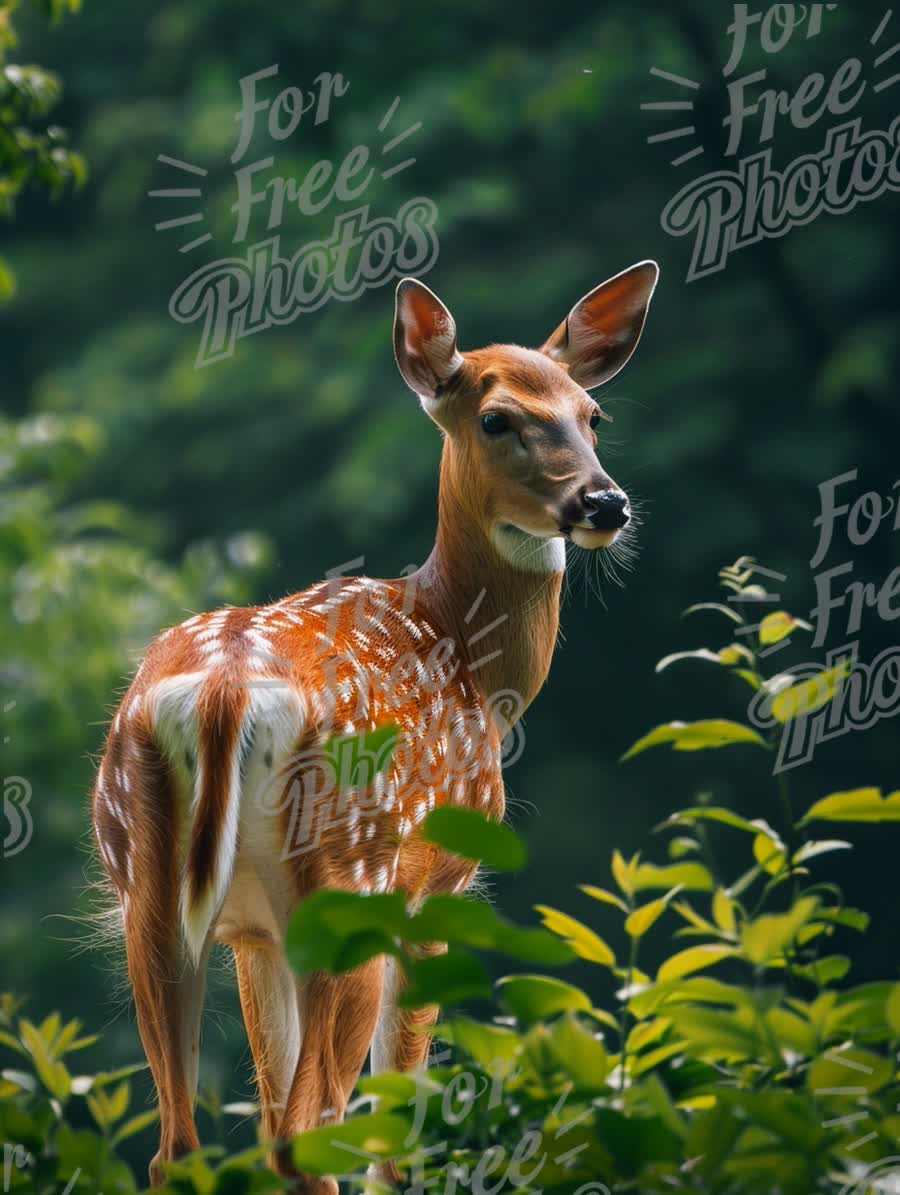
(29, 154)
(252, 478)
(745, 1063)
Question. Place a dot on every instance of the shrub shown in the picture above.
(746, 1065)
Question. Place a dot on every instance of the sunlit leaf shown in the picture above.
(694, 958)
(697, 736)
(605, 897)
(810, 695)
(691, 876)
(723, 911)
(778, 625)
(857, 805)
(768, 936)
(587, 944)
(641, 920)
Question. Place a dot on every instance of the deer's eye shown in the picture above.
(494, 423)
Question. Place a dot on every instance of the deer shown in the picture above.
(203, 775)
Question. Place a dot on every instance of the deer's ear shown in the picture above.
(602, 330)
(424, 339)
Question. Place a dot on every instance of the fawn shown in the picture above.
(231, 708)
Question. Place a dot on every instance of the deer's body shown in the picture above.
(212, 815)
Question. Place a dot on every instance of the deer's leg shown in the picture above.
(340, 1013)
(136, 816)
(402, 1039)
(268, 992)
(168, 994)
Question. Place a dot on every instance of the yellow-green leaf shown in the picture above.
(695, 958)
(583, 941)
(810, 695)
(691, 876)
(734, 653)
(848, 1067)
(892, 1009)
(623, 873)
(857, 805)
(601, 894)
(778, 625)
(723, 911)
(582, 1055)
(643, 918)
(769, 853)
(696, 736)
(768, 936)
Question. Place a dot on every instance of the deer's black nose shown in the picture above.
(607, 510)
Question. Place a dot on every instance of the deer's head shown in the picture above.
(520, 424)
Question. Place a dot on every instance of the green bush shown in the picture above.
(746, 1065)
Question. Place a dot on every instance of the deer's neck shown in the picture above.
(496, 594)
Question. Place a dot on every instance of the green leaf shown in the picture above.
(582, 1055)
(694, 958)
(824, 971)
(583, 941)
(446, 979)
(53, 1074)
(712, 813)
(325, 921)
(464, 921)
(715, 1035)
(641, 920)
(7, 1039)
(136, 1125)
(848, 1066)
(466, 832)
(344, 1148)
(487, 1044)
(538, 997)
(696, 736)
(857, 805)
(809, 695)
(7, 282)
(892, 1009)
(768, 936)
(398, 1090)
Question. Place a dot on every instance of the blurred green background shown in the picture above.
(138, 488)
